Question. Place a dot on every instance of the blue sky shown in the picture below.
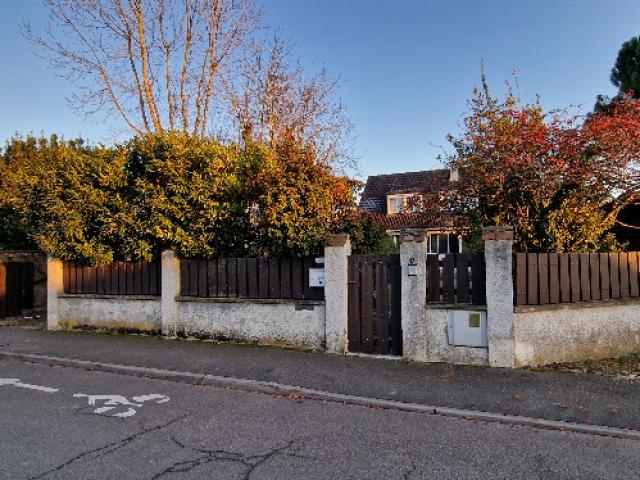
(407, 67)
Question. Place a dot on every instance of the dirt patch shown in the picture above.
(625, 367)
(35, 322)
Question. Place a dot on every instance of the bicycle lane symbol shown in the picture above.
(118, 405)
(107, 405)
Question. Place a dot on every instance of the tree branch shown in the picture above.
(136, 5)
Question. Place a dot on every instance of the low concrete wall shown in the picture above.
(575, 332)
(270, 322)
(437, 341)
(109, 311)
(528, 336)
(297, 323)
(39, 260)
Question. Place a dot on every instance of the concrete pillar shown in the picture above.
(170, 268)
(498, 248)
(413, 260)
(336, 292)
(55, 287)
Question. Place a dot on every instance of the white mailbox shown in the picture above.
(316, 277)
(467, 328)
(412, 268)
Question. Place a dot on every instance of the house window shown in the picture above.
(444, 243)
(396, 204)
(402, 203)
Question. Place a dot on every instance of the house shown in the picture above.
(416, 203)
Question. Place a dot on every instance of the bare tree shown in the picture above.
(165, 65)
(273, 100)
(159, 64)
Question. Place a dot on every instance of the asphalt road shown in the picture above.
(143, 429)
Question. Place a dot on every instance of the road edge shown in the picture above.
(297, 392)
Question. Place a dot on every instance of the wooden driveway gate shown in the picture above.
(16, 288)
(374, 304)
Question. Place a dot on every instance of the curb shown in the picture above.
(274, 388)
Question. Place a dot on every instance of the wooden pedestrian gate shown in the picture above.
(374, 304)
(16, 288)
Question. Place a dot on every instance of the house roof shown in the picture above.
(379, 186)
(404, 221)
(433, 185)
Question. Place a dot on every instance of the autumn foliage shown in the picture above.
(198, 196)
(558, 178)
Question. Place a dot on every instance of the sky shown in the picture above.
(407, 68)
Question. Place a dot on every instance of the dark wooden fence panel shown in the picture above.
(574, 262)
(367, 311)
(433, 278)
(462, 271)
(614, 275)
(223, 279)
(520, 283)
(594, 272)
(354, 329)
(634, 267)
(605, 287)
(374, 307)
(565, 280)
(625, 285)
(548, 278)
(16, 288)
(478, 279)
(119, 278)
(252, 278)
(3, 290)
(532, 278)
(396, 307)
(383, 312)
(554, 278)
(543, 279)
(448, 279)
(585, 282)
(269, 278)
(456, 278)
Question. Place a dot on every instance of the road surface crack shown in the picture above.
(110, 448)
(249, 462)
(409, 473)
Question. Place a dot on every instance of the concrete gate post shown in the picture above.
(336, 292)
(170, 268)
(55, 287)
(498, 247)
(413, 271)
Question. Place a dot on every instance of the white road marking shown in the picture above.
(15, 382)
(153, 396)
(108, 399)
(108, 403)
(112, 402)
